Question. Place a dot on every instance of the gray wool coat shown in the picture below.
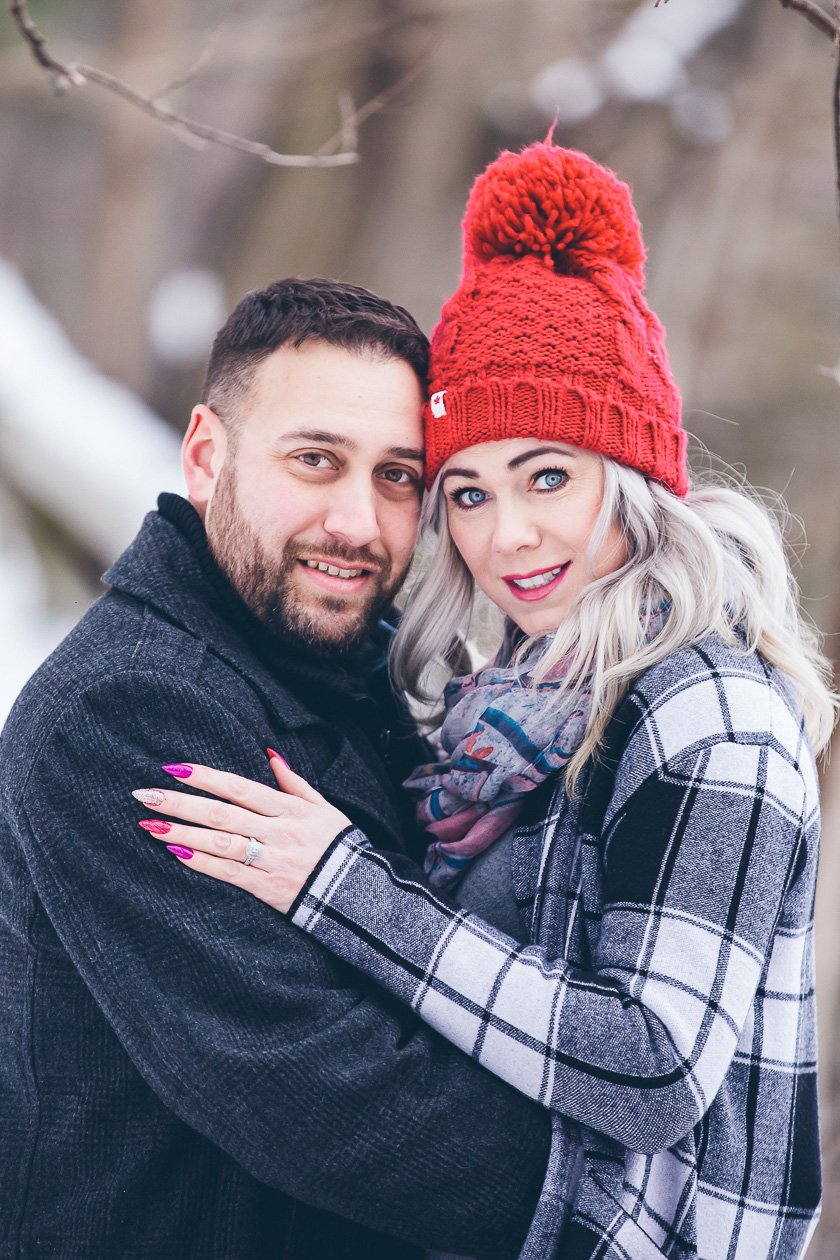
(663, 1007)
(183, 1073)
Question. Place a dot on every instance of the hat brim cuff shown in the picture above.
(494, 410)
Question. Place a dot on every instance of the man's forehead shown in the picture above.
(327, 394)
(320, 362)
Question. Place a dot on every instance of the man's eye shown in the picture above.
(315, 459)
(469, 497)
(550, 479)
(398, 476)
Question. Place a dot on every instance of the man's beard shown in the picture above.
(321, 624)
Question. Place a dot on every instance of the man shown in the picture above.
(182, 1073)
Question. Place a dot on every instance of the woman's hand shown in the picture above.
(294, 828)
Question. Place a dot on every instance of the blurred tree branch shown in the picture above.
(383, 99)
(815, 15)
(340, 150)
(206, 55)
(812, 11)
(830, 27)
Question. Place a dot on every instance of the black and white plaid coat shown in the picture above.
(664, 1009)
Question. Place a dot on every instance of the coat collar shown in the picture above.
(169, 567)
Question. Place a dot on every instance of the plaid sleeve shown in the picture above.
(698, 846)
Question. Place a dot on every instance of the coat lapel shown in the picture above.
(160, 569)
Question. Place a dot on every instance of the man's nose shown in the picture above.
(352, 515)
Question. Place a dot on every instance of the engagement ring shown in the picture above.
(253, 851)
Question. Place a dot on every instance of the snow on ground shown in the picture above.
(79, 445)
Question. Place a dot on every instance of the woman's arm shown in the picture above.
(635, 1048)
(698, 847)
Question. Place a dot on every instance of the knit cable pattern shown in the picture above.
(548, 334)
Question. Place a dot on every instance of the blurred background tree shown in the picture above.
(718, 112)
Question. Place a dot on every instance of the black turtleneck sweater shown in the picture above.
(353, 690)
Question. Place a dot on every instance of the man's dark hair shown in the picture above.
(290, 312)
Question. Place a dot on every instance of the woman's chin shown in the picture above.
(534, 622)
(534, 615)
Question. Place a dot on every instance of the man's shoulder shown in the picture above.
(117, 643)
(118, 634)
(127, 670)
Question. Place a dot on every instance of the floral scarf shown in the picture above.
(501, 739)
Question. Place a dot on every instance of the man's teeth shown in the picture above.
(542, 579)
(333, 571)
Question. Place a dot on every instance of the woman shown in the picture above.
(629, 787)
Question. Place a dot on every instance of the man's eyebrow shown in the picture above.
(319, 435)
(349, 444)
(406, 452)
(540, 450)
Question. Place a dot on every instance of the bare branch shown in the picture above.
(349, 129)
(383, 99)
(837, 125)
(191, 131)
(830, 27)
(60, 74)
(340, 150)
(815, 15)
(206, 55)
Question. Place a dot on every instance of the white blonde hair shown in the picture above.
(718, 555)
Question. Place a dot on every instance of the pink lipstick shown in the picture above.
(538, 584)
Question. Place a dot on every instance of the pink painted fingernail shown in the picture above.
(180, 851)
(272, 753)
(149, 796)
(178, 770)
(156, 827)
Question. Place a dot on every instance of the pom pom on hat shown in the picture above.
(548, 335)
(556, 204)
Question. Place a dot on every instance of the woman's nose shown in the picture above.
(514, 529)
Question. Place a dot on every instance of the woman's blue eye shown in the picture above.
(551, 479)
(469, 498)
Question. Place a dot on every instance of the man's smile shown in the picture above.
(334, 577)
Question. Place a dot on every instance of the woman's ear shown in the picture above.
(203, 453)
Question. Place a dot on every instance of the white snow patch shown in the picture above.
(82, 446)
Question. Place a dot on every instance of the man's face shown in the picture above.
(313, 514)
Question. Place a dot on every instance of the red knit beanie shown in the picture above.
(548, 334)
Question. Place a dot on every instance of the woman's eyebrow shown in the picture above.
(514, 463)
(540, 450)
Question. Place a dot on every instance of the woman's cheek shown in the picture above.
(613, 554)
(468, 543)
(476, 562)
